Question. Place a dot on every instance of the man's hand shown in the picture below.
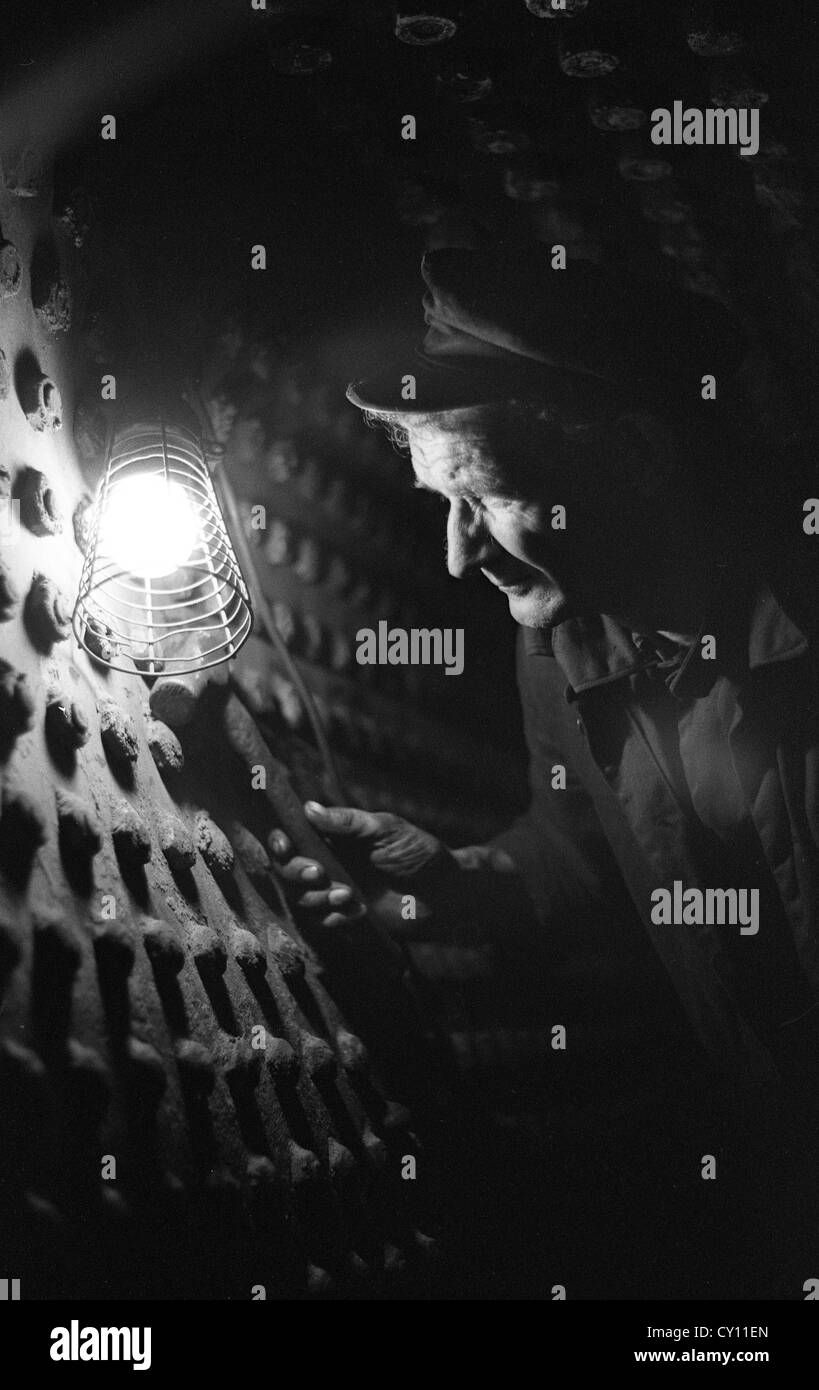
(392, 854)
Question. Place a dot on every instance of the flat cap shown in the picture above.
(582, 340)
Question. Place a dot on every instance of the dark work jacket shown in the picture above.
(683, 768)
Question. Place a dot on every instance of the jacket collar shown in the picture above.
(600, 650)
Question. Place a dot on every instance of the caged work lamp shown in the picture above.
(160, 588)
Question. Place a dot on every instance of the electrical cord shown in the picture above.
(414, 982)
(215, 452)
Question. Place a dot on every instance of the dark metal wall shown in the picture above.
(143, 936)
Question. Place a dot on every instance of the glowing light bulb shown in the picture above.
(149, 526)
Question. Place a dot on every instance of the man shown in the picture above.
(665, 660)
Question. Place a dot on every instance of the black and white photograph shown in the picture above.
(409, 668)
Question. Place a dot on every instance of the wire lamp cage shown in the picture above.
(160, 590)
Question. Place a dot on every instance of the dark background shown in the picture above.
(584, 1175)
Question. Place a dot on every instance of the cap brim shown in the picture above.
(419, 388)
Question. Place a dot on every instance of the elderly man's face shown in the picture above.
(501, 499)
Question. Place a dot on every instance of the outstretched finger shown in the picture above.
(337, 895)
(344, 820)
(302, 870)
(337, 919)
(278, 844)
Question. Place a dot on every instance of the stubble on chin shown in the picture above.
(532, 610)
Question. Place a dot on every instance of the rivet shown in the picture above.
(132, 840)
(395, 1261)
(374, 1148)
(260, 1172)
(300, 59)
(279, 547)
(465, 82)
(318, 1058)
(98, 640)
(26, 169)
(305, 1169)
(11, 269)
(713, 42)
(731, 87)
(309, 562)
(196, 1065)
(79, 825)
(146, 1069)
(81, 523)
(396, 1118)
(41, 402)
(287, 956)
(66, 724)
(208, 950)
(115, 1211)
(615, 111)
(281, 1060)
(73, 218)
(23, 830)
(176, 842)
(17, 705)
(319, 1281)
(47, 613)
(38, 505)
(544, 9)
(643, 167)
(213, 846)
(90, 432)
(166, 750)
(173, 700)
(114, 947)
(429, 1247)
(57, 944)
(53, 305)
(341, 1161)
(252, 854)
(528, 185)
(43, 1215)
(20, 1067)
(118, 734)
(238, 1060)
(248, 951)
(163, 945)
(88, 1084)
(351, 1051)
(422, 30)
(581, 54)
(499, 139)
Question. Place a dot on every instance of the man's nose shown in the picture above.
(468, 541)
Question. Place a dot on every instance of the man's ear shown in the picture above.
(646, 451)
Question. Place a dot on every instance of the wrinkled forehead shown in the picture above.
(457, 451)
